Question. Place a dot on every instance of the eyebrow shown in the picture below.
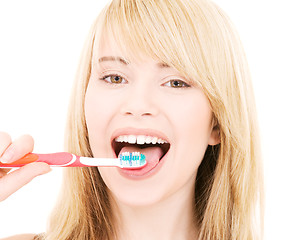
(163, 65)
(111, 58)
(125, 62)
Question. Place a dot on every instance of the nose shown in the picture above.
(139, 103)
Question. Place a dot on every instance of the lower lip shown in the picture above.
(135, 174)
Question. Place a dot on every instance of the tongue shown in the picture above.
(152, 154)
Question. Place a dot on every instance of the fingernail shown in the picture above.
(7, 156)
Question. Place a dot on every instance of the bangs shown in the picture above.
(160, 30)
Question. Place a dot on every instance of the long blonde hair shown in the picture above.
(197, 39)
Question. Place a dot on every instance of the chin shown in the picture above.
(132, 192)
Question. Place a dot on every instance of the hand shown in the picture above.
(10, 151)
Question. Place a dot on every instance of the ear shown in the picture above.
(214, 138)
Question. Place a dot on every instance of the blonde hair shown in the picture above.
(197, 39)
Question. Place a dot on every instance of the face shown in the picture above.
(149, 107)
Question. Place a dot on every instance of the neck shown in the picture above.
(171, 218)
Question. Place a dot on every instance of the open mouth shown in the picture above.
(139, 142)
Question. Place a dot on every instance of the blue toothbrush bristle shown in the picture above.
(132, 159)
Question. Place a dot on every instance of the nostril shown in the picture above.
(128, 113)
(146, 114)
(139, 108)
(135, 113)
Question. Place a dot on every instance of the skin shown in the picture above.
(149, 97)
(147, 102)
(11, 151)
(10, 182)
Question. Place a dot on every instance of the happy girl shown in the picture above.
(167, 78)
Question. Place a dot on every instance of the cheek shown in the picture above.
(94, 106)
(100, 103)
(192, 119)
(92, 110)
(97, 115)
(192, 124)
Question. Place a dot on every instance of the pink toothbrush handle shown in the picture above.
(60, 159)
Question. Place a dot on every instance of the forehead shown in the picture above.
(106, 46)
(107, 49)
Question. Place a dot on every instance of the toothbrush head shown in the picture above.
(132, 160)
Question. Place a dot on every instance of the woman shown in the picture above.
(171, 70)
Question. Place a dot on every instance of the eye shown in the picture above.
(114, 79)
(176, 83)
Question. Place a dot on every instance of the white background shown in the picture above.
(40, 44)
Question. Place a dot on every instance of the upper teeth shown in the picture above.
(139, 139)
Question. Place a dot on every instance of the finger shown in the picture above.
(18, 149)
(5, 141)
(17, 179)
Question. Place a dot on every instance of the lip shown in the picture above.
(130, 174)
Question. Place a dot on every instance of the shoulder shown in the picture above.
(20, 237)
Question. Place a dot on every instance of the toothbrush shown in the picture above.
(126, 160)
